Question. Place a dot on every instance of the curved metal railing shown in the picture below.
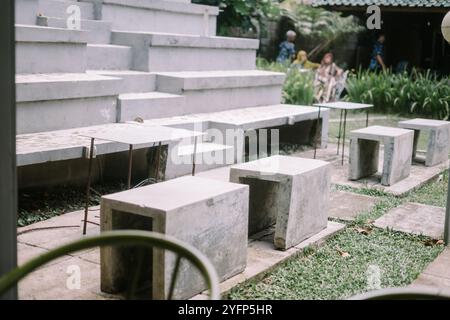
(125, 238)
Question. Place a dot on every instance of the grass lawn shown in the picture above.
(342, 267)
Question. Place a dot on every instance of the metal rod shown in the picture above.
(8, 189)
(173, 281)
(130, 165)
(194, 156)
(158, 162)
(447, 218)
(88, 186)
(317, 133)
(340, 132)
(343, 139)
(367, 118)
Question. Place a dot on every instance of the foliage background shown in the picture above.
(415, 93)
(242, 16)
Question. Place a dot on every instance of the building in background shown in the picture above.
(412, 28)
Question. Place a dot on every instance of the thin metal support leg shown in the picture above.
(174, 278)
(343, 139)
(130, 165)
(158, 162)
(340, 132)
(88, 186)
(317, 133)
(367, 118)
(194, 156)
(447, 218)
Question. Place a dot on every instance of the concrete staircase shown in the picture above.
(155, 60)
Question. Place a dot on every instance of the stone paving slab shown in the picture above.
(59, 230)
(49, 282)
(437, 274)
(416, 219)
(347, 206)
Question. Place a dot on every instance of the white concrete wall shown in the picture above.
(199, 59)
(51, 115)
(131, 18)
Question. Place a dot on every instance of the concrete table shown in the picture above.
(344, 107)
(290, 192)
(135, 135)
(438, 139)
(211, 215)
(364, 153)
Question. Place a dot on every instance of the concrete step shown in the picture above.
(161, 16)
(133, 81)
(176, 52)
(58, 8)
(50, 50)
(47, 102)
(26, 11)
(149, 105)
(207, 156)
(204, 147)
(99, 32)
(212, 91)
(108, 57)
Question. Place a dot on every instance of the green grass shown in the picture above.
(339, 268)
(37, 205)
(328, 273)
(433, 194)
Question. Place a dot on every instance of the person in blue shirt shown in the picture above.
(287, 48)
(377, 58)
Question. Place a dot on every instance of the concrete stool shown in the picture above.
(209, 214)
(290, 192)
(364, 152)
(438, 140)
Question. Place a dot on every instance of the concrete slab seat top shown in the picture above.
(73, 143)
(364, 153)
(438, 138)
(342, 105)
(290, 192)
(210, 215)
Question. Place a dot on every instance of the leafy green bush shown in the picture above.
(298, 87)
(416, 93)
(322, 28)
(242, 14)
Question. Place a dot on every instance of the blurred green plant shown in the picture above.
(418, 93)
(298, 87)
(323, 28)
(245, 15)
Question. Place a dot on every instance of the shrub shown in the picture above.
(419, 93)
(242, 14)
(298, 87)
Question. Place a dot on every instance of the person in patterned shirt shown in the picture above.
(287, 48)
(377, 59)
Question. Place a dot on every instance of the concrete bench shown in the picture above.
(364, 153)
(208, 214)
(292, 193)
(438, 139)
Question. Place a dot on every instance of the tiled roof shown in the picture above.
(390, 3)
